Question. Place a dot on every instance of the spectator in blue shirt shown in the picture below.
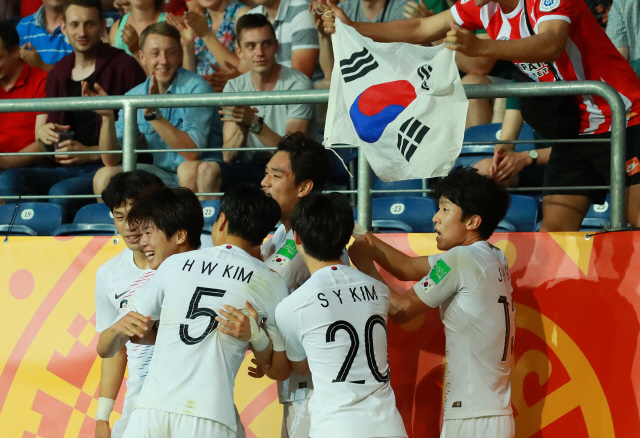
(41, 39)
(166, 128)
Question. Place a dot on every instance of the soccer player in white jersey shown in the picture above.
(299, 167)
(116, 283)
(189, 389)
(471, 284)
(335, 324)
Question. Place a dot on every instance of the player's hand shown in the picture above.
(153, 89)
(48, 133)
(317, 9)
(86, 92)
(131, 38)
(507, 164)
(236, 324)
(102, 429)
(329, 18)
(198, 23)
(257, 371)
(30, 55)
(132, 324)
(462, 40)
(362, 252)
(413, 9)
(221, 76)
(243, 115)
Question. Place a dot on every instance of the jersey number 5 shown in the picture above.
(195, 311)
(355, 344)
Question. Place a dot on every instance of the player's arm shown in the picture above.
(413, 30)
(131, 326)
(546, 46)
(403, 267)
(111, 375)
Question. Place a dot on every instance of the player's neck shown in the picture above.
(239, 242)
(471, 239)
(141, 260)
(507, 6)
(315, 265)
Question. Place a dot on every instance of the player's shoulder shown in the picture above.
(115, 264)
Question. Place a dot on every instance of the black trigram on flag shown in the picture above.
(358, 65)
(410, 136)
(425, 73)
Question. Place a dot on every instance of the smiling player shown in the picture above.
(471, 284)
(116, 283)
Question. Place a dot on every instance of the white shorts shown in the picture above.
(501, 426)
(296, 421)
(152, 423)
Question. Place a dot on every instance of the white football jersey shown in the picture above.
(194, 366)
(472, 286)
(280, 255)
(338, 321)
(117, 282)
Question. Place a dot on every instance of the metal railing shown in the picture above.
(130, 105)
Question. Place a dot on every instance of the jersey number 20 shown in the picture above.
(195, 311)
(355, 344)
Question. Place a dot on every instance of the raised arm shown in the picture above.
(132, 326)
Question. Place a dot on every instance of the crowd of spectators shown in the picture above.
(62, 48)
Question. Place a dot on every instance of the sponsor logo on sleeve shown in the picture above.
(288, 250)
(439, 271)
(549, 5)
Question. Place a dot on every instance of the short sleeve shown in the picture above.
(616, 29)
(441, 282)
(148, 300)
(547, 10)
(305, 35)
(106, 314)
(467, 15)
(300, 110)
(198, 120)
(277, 292)
(288, 323)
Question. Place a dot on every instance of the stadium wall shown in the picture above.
(576, 370)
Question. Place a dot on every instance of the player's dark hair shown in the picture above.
(252, 21)
(128, 186)
(9, 36)
(324, 224)
(161, 28)
(250, 214)
(170, 210)
(308, 159)
(97, 4)
(475, 194)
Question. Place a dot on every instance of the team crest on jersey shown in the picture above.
(123, 304)
(549, 5)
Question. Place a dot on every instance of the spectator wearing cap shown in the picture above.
(163, 128)
(41, 38)
(92, 62)
(18, 80)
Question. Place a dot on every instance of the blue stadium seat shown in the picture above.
(522, 214)
(110, 18)
(410, 184)
(406, 214)
(91, 220)
(505, 227)
(32, 218)
(597, 217)
(210, 212)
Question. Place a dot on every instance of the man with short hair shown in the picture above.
(181, 397)
(42, 41)
(18, 80)
(117, 282)
(471, 284)
(299, 167)
(163, 128)
(297, 37)
(252, 127)
(325, 319)
(92, 62)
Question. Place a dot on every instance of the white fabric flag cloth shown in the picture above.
(404, 104)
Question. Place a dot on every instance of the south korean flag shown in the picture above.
(403, 104)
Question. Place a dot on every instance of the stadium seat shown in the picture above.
(409, 184)
(522, 214)
(406, 214)
(110, 18)
(91, 220)
(32, 218)
(472, 153)
(597, 217)
(210, 212)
